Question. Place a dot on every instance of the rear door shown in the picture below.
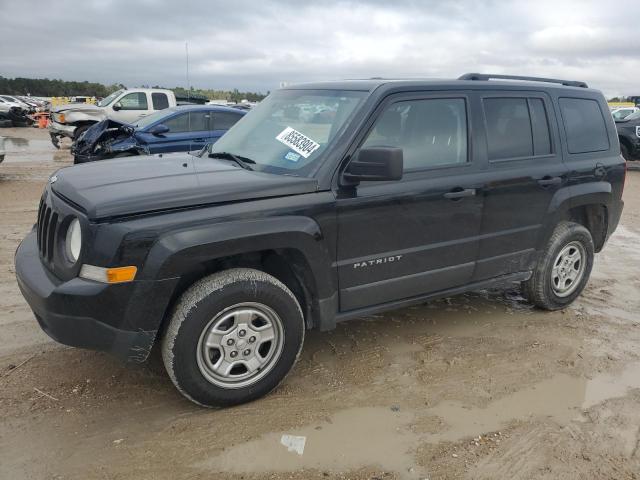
(525, 171)
(419, 235)
(199, 129)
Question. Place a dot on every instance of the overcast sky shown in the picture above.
(255, 45)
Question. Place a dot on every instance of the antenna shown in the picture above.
(186, 49)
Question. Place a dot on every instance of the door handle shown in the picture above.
(459, 193)
(549, 181)
(199, 139)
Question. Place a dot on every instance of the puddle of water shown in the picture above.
(32, 150)
(353, 438)
(558, 398)
(561, 398)
(606, 386)
(377, 436)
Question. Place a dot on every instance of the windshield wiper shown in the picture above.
(242, 161)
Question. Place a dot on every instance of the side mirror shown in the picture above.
(158, 129)
(375, 164)
(117, 106)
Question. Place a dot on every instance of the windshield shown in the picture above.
(633, 116)
(289, 130)
(107, 100)
(154, 117)
(622, 113)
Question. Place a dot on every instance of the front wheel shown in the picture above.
(563, 269)
(233, 337)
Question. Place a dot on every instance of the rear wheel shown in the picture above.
(625, 152)
(563, 269)
(232, 337)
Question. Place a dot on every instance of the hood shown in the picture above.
(105, 130)
(143, 184)
(77, 107)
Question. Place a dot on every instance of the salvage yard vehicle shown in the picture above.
(410, 190)
(176, 129)
(629, 135)
(128, 106)
(12, 114)
(623, 112)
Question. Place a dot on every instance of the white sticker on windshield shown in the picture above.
(297, 141)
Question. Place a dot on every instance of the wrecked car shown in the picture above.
(124, 105)
(176, 129)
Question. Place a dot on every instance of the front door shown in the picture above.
(133, 106)
(419, 235)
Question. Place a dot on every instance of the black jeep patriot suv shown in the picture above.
(328, 201)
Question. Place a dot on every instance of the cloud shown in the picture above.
(257, 44)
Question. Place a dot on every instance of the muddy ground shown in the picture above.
(479, 386)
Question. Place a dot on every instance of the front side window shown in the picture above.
(178, 123)
(289, 131)
(430, 132)
(584, 125)
(134, 101)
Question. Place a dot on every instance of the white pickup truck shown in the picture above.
(126, 105)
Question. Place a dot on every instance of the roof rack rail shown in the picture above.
(488, 76)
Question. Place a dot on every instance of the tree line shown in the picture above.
(45, 87)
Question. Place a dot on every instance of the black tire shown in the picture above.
(539, 289)
(208, 300)
(79, 131)
(625, 152)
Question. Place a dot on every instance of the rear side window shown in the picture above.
(516, 128)
(224, 120)
(584, 125)
(160, 101)
(539, 127)
(199, 121)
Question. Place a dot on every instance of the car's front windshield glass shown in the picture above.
(633, 116)
(107, 100)
(144, 122)
(289, 130)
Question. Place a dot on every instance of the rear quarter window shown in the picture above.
(584, 125)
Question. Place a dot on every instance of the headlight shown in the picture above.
(73, 243)
(59, 117)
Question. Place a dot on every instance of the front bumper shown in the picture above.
(57, 130)
(87, 314)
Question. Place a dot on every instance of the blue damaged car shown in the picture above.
(177, 129)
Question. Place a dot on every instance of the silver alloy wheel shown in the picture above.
(568, 269)
(240, 345)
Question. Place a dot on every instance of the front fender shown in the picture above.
(177, 253)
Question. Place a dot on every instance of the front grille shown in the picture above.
(47, 229)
